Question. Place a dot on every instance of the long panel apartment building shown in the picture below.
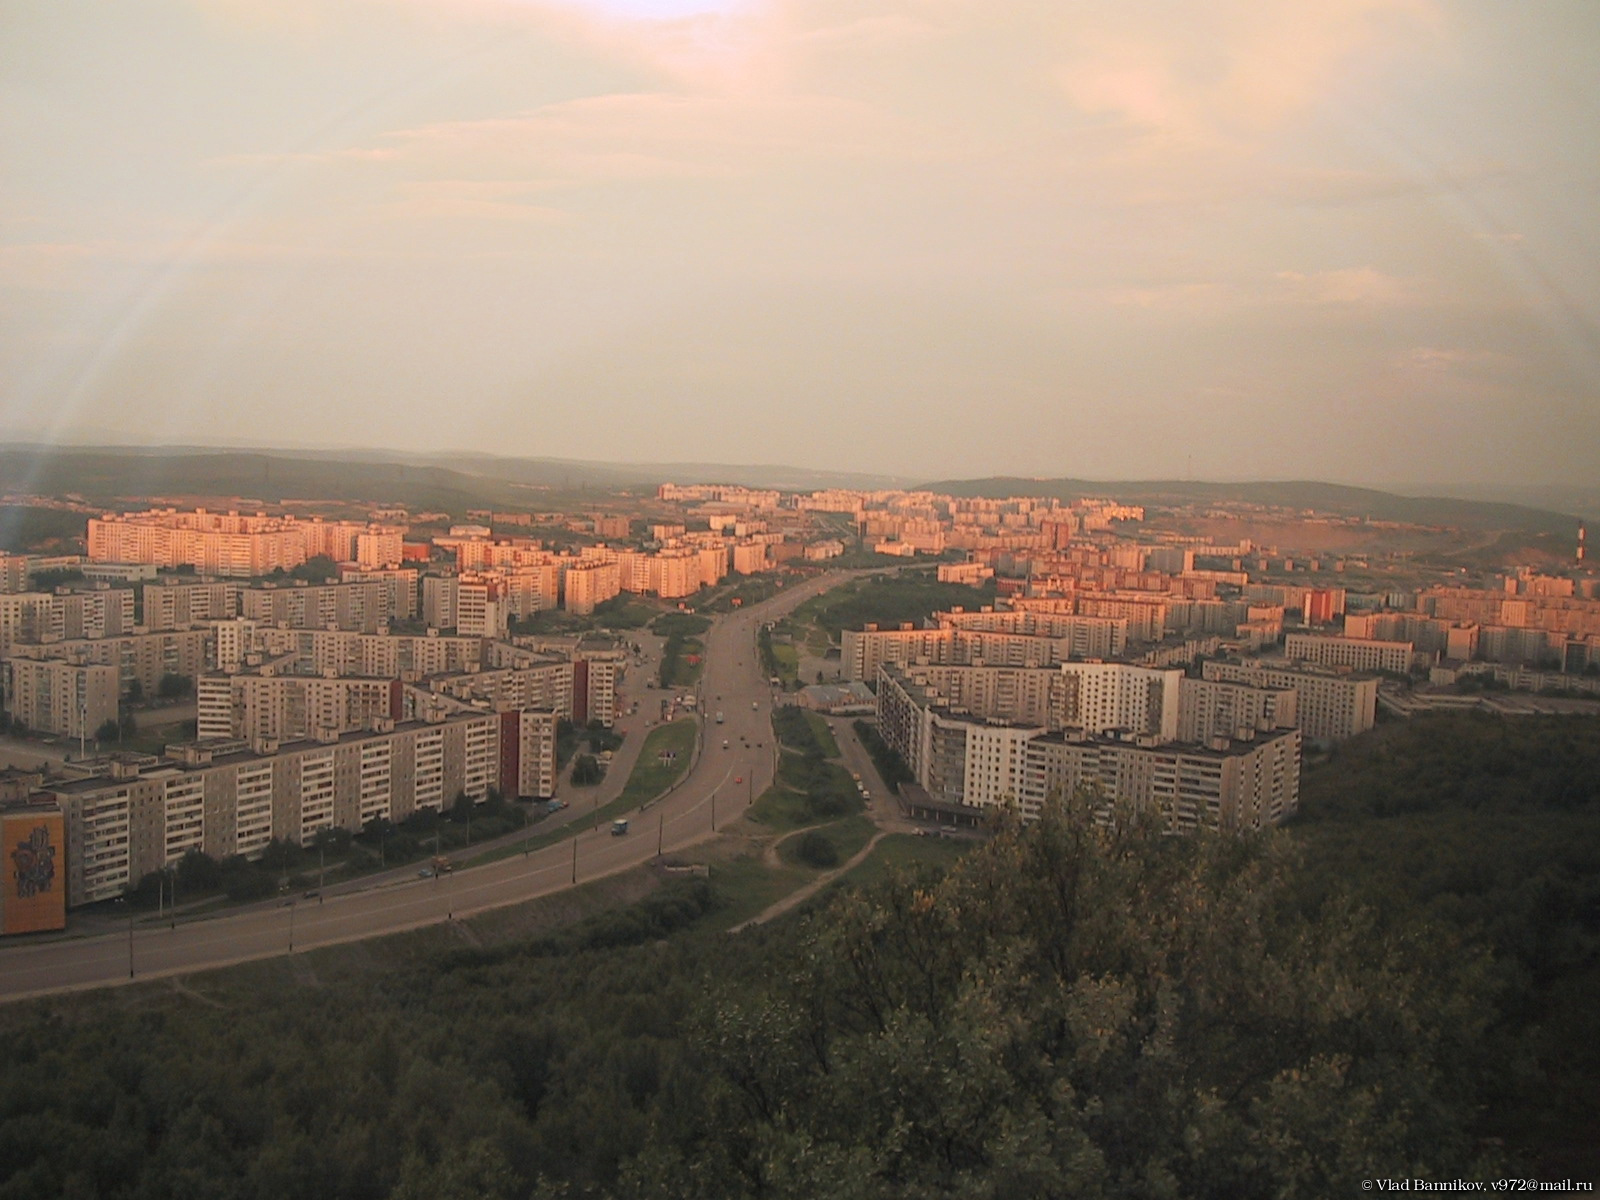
(967, 762)
(1360, 654)
(227, 797)
(1329, 705)
(863, 651)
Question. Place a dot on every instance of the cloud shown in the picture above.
(1351, 285)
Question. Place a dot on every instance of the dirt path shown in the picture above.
(811, 889)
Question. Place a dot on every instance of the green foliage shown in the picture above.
(23, 528)
(680, 623)
(1070, 1010)
(816, 849)
(889, 600)
(677, 669)
(50, 579)
(794, 731)
(319, 568)
(567, 741)
(109, 728)
(890, 765)
(1079, 1011)
(1460, 761)
(587, 771)
(173, 685)
(1489, 827)
(652, 774)
(602, 739)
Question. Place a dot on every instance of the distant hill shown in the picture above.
(107, 474)
(1300, 494)
(450, 481)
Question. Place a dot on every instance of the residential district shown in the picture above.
(358, 668)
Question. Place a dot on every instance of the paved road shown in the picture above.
(716, 790)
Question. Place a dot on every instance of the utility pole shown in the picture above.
(574, 858)
(291, 926)
(661, 831)
(713, 812)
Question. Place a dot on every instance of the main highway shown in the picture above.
(715, 791)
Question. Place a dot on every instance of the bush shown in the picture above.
(815, 849)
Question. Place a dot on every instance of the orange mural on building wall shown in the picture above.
(33, 896)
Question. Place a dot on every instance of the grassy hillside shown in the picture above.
(1298, 494)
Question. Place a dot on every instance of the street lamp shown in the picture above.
(125, 903)
(291, 925)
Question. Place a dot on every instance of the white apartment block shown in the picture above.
(237, 545)
(24, 617)
(62, 698)
(1224, 784)
(101, 612)
(225, 798)
(170, 605)
(961, 759)
(863, 651)
(362, 606)
(141, 657)
(586, 584)
(1359, 654)
(1209, 708)
(1329, 705)
(287, 708)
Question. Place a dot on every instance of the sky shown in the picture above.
(1352, 240)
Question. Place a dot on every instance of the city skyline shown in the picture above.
(931, 241)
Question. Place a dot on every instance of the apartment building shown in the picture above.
(1359, 654)
(24, 617)
(228, 797)
(94, 612)
(1224, 783)
(1210, 708)
(173, 605)
(863, 651)
(55, 697)
(1329, 705)
(960, 759)
(287, 708)
(238, 545)
(586, 584)
(364, 606)
(138, 657)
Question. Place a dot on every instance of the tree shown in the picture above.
(586, 771)
(135, 691)
(173, 685)
(319, 568)
(109, 728)
(461, 808)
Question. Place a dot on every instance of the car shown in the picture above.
(425, 873)
(312, 894)
(738, 778)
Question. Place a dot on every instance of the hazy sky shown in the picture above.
(1356, 240)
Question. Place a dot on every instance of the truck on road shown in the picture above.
(619, 827)
(719, 716)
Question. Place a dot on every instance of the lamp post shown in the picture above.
(291, 926)
(126, 904)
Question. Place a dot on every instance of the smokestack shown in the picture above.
(1580, 545)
